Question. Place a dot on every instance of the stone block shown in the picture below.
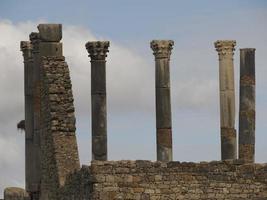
(50, 32)
(163, 108)
(162, 73)
(15, 193)
(98, 78)
(99, 112)
(50, 49)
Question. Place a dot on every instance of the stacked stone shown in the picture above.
(225, 50)
(98, 53)
(14, 193)
(162, 51)
(247, 105)
(59, 146)
(59, 151)
(140, 180)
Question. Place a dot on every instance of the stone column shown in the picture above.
(44, 43)
(225, 50)
(98, 53)
(247, 105)
(162, 51)
(36, 173)
(30, 162)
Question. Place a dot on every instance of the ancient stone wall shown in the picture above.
(109, 180)
(15, 193)
(59, 152)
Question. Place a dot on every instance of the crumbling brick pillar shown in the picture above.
(162, 51)
(98, 53)
(247, 105)
(225, 50)
(31, 169)
(54, 119)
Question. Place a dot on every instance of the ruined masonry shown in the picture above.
(53, 169)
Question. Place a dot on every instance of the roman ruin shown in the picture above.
(53, 170)
(162, 52)
(98, 53)
(247, 105)
(225, 50)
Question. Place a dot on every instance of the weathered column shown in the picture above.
(162, 51)
(225, 50)
(44, 43)
(98, 53)
(247, 105)
(30, 162)
(34, 192)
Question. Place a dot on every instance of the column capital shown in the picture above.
(162, 48)
(25, 45)
(26, 48)
(225, 47)
(248, 49)
(97, 49)
(35, 40)
(34, 36)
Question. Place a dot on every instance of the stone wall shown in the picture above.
(145, 180)
(15, 193)
(59, 152)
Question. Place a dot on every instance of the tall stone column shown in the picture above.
(44, 43)
(225, 50)
(30, 162)
(98, 53)
(162, 51)
(247, 105)
(34, 192)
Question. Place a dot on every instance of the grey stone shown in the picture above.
(225, 49)
(98, 52)
(247, 105)
(50, 32)
(162, 51)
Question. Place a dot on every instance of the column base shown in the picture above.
(164, 144)
(228, 143)
(247, 152)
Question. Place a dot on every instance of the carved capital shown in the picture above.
(35, 40)
(162, 48)
(225, 48)
(26, 48)
(98, 49)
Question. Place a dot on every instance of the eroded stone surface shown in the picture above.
(15, 193)
(98, 52)
(225, 49)
(247, 105)
(139, 180)
(162, 51)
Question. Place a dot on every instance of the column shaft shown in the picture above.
(34, 37)
(162, 50)
(97, 51)
(30, 164)
(225, 50)
(247, 105)
(44, 43)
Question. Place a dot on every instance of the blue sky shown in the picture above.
(130, 26)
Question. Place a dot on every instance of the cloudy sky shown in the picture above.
(130, 26)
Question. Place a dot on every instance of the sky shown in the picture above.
(130, 26)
